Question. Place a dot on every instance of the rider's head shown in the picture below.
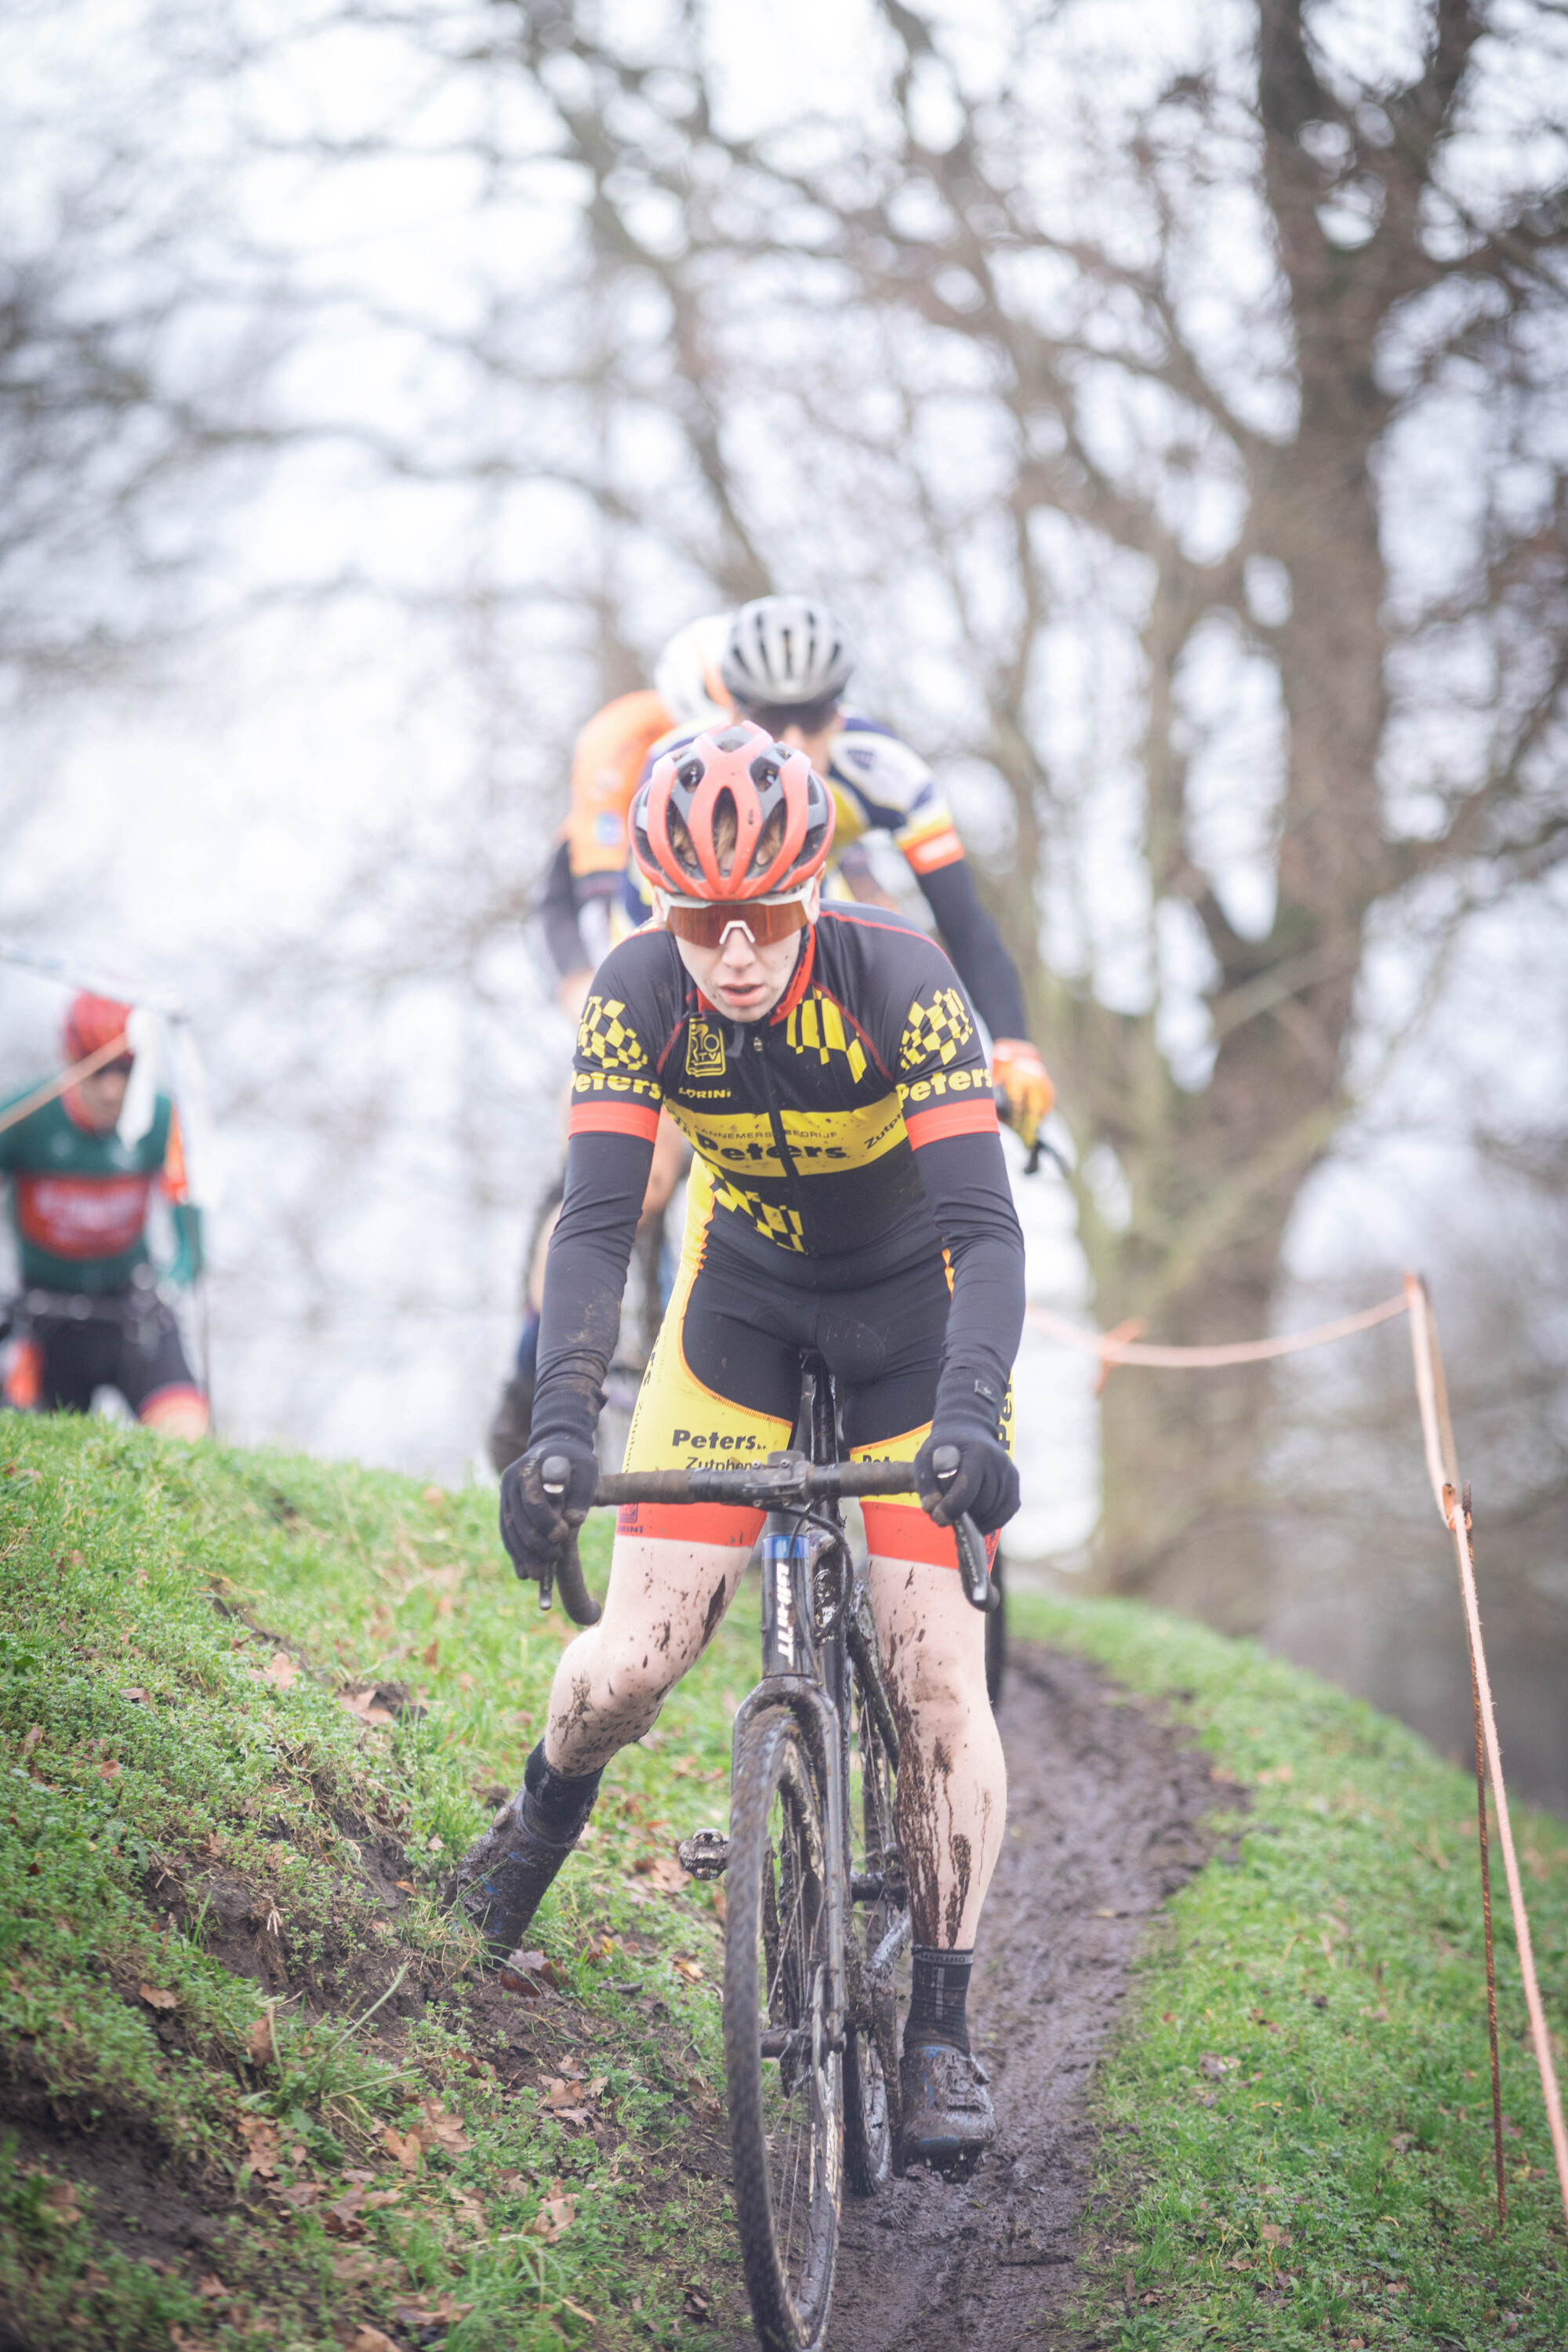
(686, 674)
(785, 666)
(732, 832)
(91, 1022)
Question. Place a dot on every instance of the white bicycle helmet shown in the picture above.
(784, 652)
(686, 675)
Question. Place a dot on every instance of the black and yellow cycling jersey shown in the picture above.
(808, 1120)
(848, 1137)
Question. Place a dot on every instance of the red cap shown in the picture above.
(92, 1022)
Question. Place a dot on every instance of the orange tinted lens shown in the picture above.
(767, 920)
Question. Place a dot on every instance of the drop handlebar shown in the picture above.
(790, 1482)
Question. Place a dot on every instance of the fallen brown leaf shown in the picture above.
(137, 1695)
(212, 2289)
(404, 1886)
(301, 2194)
(535, 1964)
(59, 2204)
(555, 2215)
(156, 1998)
(259, 2047)
(368, 2338)
(430, 1654)
(261, 2144)
(31, 1737)
(432, 1494)
(690, 1970)
(442, 2312)
(1215, 2067)
(342, 2219)
(663, 1871)
(695, 2304)
(447, 2129)
(362, 1704)
(281, 1672)
(403, 2146)
(109, 1769)
(1272, 2234)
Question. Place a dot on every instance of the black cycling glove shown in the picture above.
(986, 1483)
(534, 1525)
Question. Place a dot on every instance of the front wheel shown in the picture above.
(785, 2085)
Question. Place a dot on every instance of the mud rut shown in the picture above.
(1107, 1801)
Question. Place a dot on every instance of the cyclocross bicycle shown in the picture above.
(817, 1894)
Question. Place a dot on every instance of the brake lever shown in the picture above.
(555, 1472)
(974, 1566)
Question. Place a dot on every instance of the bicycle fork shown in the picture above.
(791, 1678)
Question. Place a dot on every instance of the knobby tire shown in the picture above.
(786, 2111)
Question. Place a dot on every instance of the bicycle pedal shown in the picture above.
(706, 1854)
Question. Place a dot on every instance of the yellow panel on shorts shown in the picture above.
(679, 1423)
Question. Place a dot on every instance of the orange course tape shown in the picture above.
(1120, 1346)
(67, 1078)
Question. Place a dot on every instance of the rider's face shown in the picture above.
(741, 979)
(103, 1097)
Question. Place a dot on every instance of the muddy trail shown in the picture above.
(1107, 1800)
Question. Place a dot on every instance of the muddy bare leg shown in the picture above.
(953, 1782)
(665, 1603)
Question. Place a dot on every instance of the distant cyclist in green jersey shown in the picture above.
(89, 1315)
(849, 1199)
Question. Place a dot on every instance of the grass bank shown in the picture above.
(250, 2093)
(251, 1708)
(1297, 2123)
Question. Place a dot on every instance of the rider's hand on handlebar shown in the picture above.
(535, 1525)
(986, 1483)
(1021, 1077)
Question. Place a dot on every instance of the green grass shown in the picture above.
(193, 1812)
(1332, 2181)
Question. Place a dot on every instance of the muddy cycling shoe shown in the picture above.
(948, 2118)
(505, 1875)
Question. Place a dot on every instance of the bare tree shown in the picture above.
(1081, 363)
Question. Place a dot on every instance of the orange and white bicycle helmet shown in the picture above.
(738, 778)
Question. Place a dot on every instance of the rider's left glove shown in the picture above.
(535, 1525)
(986, 1483)
(1021, 1077)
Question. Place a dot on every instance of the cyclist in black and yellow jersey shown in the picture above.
(852, 1201)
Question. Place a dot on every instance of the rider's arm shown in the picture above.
(896, 792)
(584, 1275)
(558, 913)
(926, 1032)
(965, 1180)
(972, 939)
(615, 1099)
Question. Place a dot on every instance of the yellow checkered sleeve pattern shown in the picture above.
(936, 1031)
(608, 1041)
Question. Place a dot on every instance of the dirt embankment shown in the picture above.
(1105, 1806)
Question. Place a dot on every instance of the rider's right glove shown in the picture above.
(534, 1525)
(986, 1483)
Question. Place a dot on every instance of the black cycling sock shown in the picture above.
(940, 1997)
(561, 1802)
